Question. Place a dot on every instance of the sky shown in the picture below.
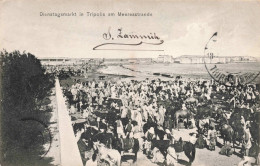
(184, 26)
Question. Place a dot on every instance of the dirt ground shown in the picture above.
(203, 157)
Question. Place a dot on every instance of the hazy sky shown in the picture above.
(185, 27)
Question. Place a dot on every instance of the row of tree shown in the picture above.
(25, 91)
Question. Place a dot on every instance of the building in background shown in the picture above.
(165, 59)
(183, 59)
(55, 61)
(94, 61)
(198, 59)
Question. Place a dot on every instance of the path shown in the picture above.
(69, 151)
(54, 152)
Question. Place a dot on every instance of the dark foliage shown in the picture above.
(63, 75)
(24, 91)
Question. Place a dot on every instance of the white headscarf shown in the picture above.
(151, 130)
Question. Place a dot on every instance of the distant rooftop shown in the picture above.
(201, 56)
(191, 56)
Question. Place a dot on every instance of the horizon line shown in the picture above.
(136, 57)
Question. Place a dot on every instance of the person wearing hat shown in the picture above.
(129, 127)
(134, 145)
(138, 134)
(168, 123)
(212, 138)
(150, 135)
(81, 142)
(119, 128)
(160, 133)
(193, 137)
(247, 144)
(189, 147)
(138, 118)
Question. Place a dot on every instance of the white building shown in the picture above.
(165, 59)
(196, 59)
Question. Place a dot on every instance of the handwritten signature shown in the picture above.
(150, 39)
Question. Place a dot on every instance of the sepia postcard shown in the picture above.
(129, 83)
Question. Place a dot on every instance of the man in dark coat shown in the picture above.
(128, 127)
(82, 149)
(189, 148)
(168, 123)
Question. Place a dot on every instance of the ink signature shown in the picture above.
(150, 39)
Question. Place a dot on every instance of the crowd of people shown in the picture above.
(78, 69)
(140, 116)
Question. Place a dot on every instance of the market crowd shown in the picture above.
(129, 117)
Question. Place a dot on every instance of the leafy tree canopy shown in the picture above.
(24, 88)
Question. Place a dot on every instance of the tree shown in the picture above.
(24, 87)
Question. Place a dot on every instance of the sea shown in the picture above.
(190, 71)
